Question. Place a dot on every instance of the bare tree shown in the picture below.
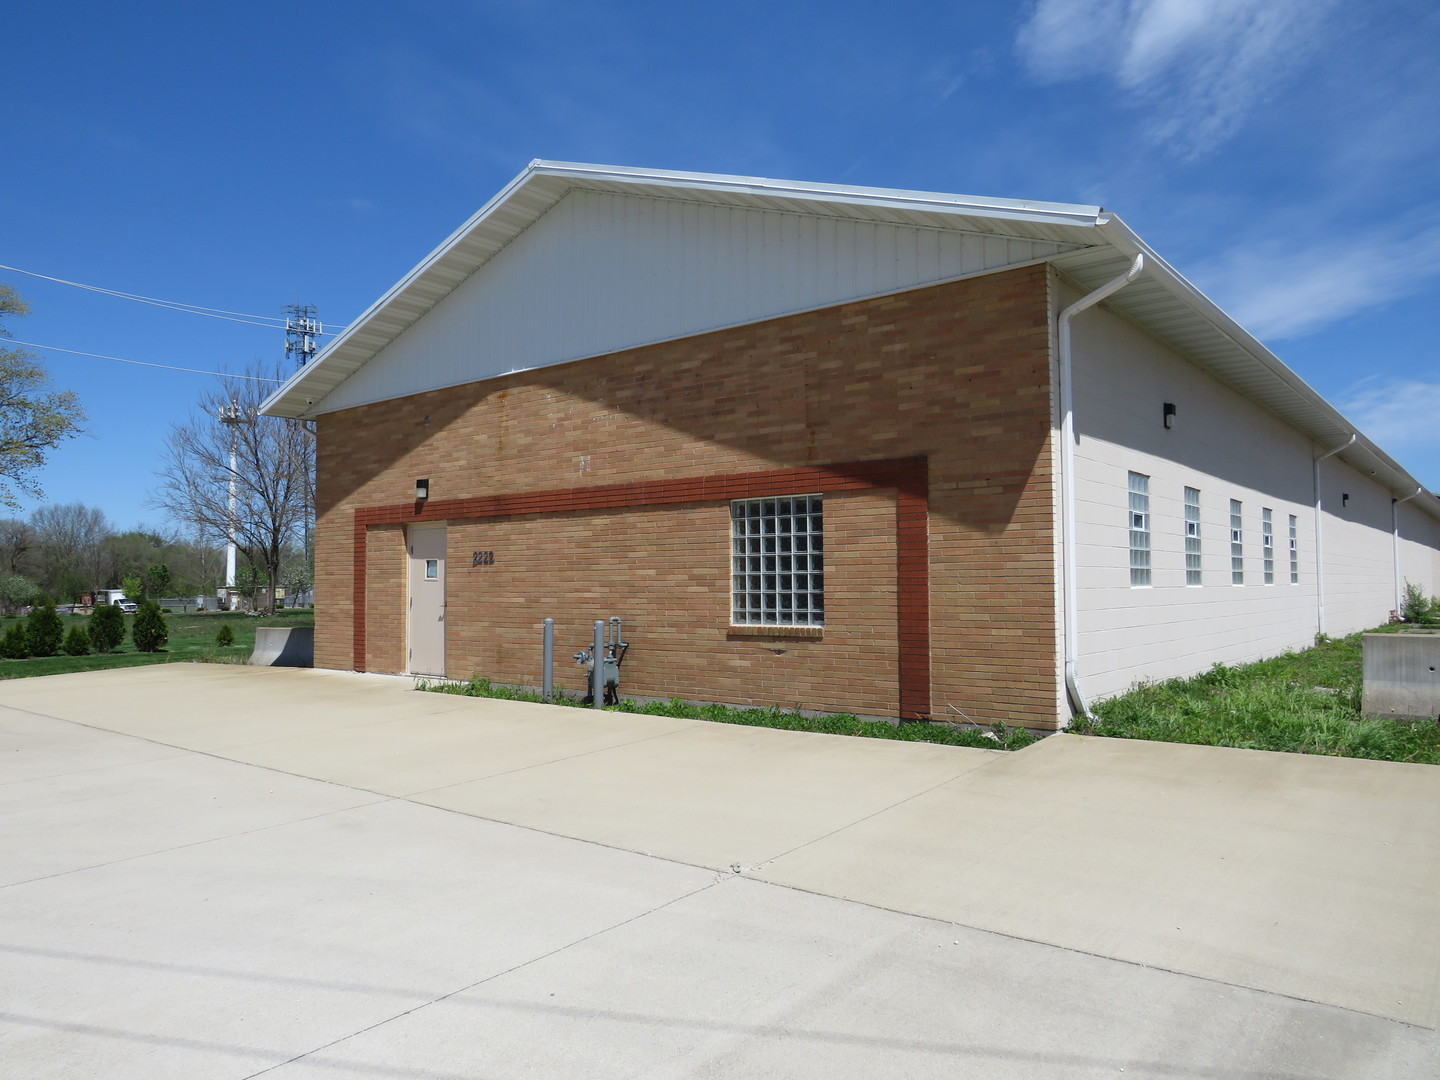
(273, 477)
(70, 538)
(17, 546)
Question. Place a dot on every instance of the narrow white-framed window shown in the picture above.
(1237, 543)
(1267, 543)
(1139, 529)
(777, 571)
(1294, 551)
(1192, 536)
(432, 569)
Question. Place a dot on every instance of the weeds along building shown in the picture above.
(889, 452)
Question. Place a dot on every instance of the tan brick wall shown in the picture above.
(958, 373)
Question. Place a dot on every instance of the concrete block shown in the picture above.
(284, 646)
(1402, 675)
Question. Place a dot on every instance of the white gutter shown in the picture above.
(1068, 556)
(1395, 540)
(1319, 540)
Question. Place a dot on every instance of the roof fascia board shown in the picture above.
(444, 248)
(1125, 240)
(935, 201)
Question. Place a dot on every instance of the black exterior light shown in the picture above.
(422, 490)
(1168, 414)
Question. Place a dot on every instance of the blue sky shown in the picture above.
(1282, 154)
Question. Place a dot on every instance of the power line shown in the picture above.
(270, 322)
(141, 363)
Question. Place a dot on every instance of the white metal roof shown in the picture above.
(1102, 246)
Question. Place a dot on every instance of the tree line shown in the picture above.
(67, 551)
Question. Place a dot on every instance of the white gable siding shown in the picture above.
(1229, 448)
(601, 272)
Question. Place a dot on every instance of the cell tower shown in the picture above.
(302, 333)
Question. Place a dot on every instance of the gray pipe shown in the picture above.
(547, 650)
(597, 668)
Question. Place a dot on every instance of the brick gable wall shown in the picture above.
(558, 471)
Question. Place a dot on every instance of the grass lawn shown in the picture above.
(999, 737)
(192, 637)
(1305, 703)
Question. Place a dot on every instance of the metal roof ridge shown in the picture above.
(1073, 213)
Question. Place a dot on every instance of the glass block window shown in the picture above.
(1237, 544)
(1139, 529)
(1267, 543)
(1294, 552)
(777, 572)
(1192, 536)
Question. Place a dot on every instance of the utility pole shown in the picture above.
(230, 415)
(302, 333)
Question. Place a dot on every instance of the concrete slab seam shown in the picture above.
(202, 843)
(998, 755)
(719, 878)
(541, 764)
(381, 798)
(1098, 956)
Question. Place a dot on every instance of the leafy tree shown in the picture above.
(157, 580)
(225, 637)
(70, 586)
(273, 476)
(46, 631)
(34, 419)
(133, 587)
(128, 554)
(77, 642)
(15, 645)
(16, 591)
(107, 628)
(149, 632)
(249, 582)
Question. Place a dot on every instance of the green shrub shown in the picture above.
(77, 642)
(15, 645)
(46, 631)
(1416, 607)
(107, 628)
(226, 637)
(149, 631)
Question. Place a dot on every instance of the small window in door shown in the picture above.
(432, 569)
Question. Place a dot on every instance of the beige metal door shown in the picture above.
(427, 599)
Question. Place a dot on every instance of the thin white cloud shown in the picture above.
(1399, 415)
(1197, 66)
(1280, 289)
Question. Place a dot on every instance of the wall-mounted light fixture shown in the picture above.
(1168, 413)
(422, 489)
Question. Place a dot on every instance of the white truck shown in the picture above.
(118, 598)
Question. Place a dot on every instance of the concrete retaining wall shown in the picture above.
(1402, 675)
(284, 646)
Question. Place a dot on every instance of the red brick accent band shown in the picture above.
(909, 477)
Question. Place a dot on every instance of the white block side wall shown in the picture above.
(1229, 448)
(601, 272)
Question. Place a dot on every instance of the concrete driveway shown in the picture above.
(230, 872)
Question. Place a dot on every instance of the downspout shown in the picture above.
(1068, 556)
(1319, 542)
(1395, 541)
